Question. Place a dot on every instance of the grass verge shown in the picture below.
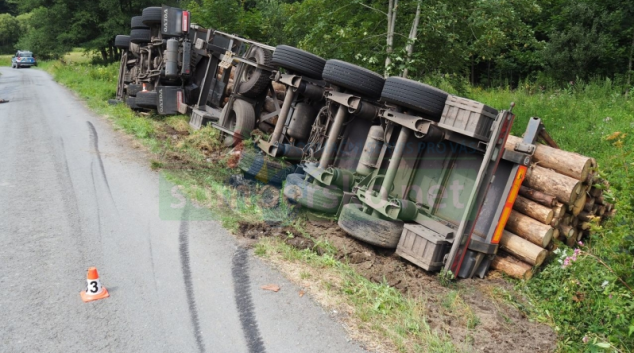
(5, 60)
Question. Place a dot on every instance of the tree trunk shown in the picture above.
(540, 197)
(391, 22)
(564, 188)
(523, 249)
(533, 210)
(104, 54)
(567, 163)
(512, 267)
(529, 229)
(411, 39)
(629, 63)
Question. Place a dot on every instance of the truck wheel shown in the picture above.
(122, 42)
(355, 78)
(415, 95)
(131, 102)
(140, 36)
(151, 16)
(241, 120)
(369, 229)
(254, 81)
(298, 61)
(133, 89)
(137, 23)
(263, 168)
(311, 196)
(147, 99)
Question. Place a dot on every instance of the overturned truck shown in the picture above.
(401, 164)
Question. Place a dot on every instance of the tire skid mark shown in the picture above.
(69, 200)
(94, 189)
(183, 240)
(94, 139)
(244, 302)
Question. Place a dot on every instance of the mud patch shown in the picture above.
(467, 311)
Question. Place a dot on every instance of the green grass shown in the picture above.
(586, 299)
(378, 307)
(5, 60)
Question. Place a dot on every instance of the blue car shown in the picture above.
(23, 59)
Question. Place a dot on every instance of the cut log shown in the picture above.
(585, 225)
(574, 222)
(567, 163)
(537, 196)
(585, 217)
(511, 266)
(601, 210)
(566, 231)
(523, 249)
(554, 223)
(529, 229)
(590, 179)
(579, 204)
(599, 200)
(269, 104)
(584, 234)
(589, 204)
(573, 238)
(594, 192)
(533, 210)
(564, 188)
(558, 210)
(555, 234)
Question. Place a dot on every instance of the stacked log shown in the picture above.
(560, 199)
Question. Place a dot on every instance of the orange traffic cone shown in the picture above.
(95, 290)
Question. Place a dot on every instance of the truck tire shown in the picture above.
(415, 95)
(241, 121)
(254, 81)
(298, 61)
(140, 36)
(131, 102)
(147, 99)
(311, 196)
(369, 229)
(355, 78)
(137, 23)
(133, 89)
(122, 42)
(263, 168)
(152, 15)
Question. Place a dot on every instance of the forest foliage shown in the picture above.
(484, 42)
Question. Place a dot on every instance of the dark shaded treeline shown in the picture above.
(486, 42)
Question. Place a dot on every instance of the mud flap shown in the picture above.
(170, 100)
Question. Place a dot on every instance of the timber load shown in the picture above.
(560, 200)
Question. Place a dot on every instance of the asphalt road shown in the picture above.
(74, 194)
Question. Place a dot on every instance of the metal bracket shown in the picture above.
(411, 122)
(516, 157)
(227, 60)
(345, 99)
(525, 148)
(288, 79)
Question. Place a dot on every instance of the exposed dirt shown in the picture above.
(467, 311)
